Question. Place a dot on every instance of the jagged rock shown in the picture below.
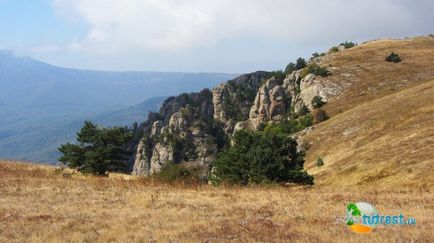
(178, 122)
(161, 155)
(218, 94)
(312, 86)
(269, 103)
(141, 162)
(298, 104)
(156, 128)
(294, 75)
(242, 103)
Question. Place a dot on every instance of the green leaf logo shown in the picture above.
(355, 210)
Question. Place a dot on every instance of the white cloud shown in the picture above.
(156, 25)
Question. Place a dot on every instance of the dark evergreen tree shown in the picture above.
(301, 63)
(258, 157)
(393, 57)
(317, 101)
(98, 149)
(290, 68)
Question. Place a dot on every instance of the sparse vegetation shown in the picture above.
(317, 101)
(183, 148)
(319, 162)
(304, 110)
(316, 70)
(334, 49)
(98, 150)
(286, 127)
(179, 173)
(301, 63)
(290, 68)
(319, 115)
(348, 44)
(393, 57)
(279, 75)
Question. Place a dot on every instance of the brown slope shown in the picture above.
(387, 142)
(365, 75)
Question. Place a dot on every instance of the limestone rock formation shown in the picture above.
(270, 103)
(161, 155)
(141, 162)
(190, 128)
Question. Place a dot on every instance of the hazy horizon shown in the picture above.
(198, 36)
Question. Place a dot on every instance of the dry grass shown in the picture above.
(44, 204)
(388, 142)
(365, 75)
(381, 130)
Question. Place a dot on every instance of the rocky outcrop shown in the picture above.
(156, 128)
(219, 96)
(232, 101)
(302, 90)
(141, 162)
(271, 103)
(183, 131)
(193, 128)
(162, 154)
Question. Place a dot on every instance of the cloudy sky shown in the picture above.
(199, 35)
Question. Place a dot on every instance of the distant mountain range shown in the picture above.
(42, 106)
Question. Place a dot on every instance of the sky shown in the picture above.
(234, 36)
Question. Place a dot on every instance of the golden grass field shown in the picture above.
(47, 204)
(381, 130)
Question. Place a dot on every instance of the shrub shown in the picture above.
(393, 57)
(258, 157)
(172, 172)
(290, 68)
(98, 150)
(334, 49)
(304, 110)
(319, 162)
(317, 101)
(315, 54)
(319, 115)
(183, 148)
(315, 69)
(279, 75)
(348, 45)
(301, 63)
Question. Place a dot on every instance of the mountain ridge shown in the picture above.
(43, 96)
(358, 76)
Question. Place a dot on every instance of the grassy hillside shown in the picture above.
(365, 75)
(381, 130)
(47, 204)
(387, 142)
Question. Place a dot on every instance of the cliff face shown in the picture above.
(193, 128)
